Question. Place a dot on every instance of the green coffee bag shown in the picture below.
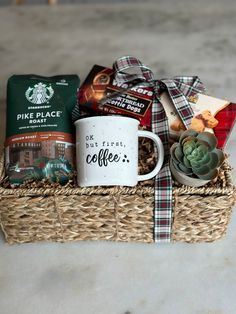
(40, 139)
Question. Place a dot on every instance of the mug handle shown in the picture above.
(156, 139)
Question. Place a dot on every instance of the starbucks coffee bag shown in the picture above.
(40, 134)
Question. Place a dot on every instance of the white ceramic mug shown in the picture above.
(107, 151)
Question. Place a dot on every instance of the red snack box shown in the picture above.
(100, 83)
(226, 118)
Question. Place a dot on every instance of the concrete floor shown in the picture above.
(192, 38)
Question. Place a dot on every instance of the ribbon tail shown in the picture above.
(160, 124)
(190, 85)
(163, 205)
(163, 180)
(180, 102)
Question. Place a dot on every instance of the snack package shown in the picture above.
(205, 110)
(224, 128)
(40, 133)
(100, 83)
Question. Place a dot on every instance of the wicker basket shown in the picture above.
(114, 213)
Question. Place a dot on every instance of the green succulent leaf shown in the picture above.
(186, 162)
(206, 148)
(206, 159)
(213, 163)
(190, 140)
(172, 150)
(185, 169)
(202, 150)
(194, 153)
(176, 165)
(202, 170)
(173, 147)
(178, 153)
(190, 157)
(209, 138)
(221, 156)
(210, 176)
(195, 164)
(187, 133)
(188, 147)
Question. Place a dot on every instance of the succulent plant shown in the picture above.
(196, 155)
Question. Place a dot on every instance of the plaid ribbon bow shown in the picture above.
(179, 88)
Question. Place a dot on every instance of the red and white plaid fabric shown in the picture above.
(179, 89)
(227, 119)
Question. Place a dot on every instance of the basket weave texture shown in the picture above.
(113, 213)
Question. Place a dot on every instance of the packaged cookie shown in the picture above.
(100, 93)
(205, 110)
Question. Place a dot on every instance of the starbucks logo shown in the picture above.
(39, 94)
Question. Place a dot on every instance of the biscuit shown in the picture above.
(204, 119)
(209, 119)
(177, 125)
(197, 124)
